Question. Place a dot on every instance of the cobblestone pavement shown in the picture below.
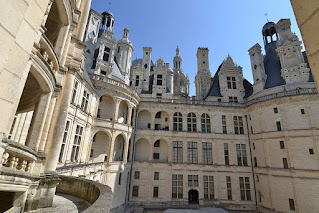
(201, 210)
(63, 203)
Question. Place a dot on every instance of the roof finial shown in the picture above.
(109, 6)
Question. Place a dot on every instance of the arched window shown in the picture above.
(191, 122)
(205, 121)
(157, 143)
(177, 121)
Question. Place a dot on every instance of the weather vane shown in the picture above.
(266, 17)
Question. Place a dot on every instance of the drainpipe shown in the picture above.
(251, 160)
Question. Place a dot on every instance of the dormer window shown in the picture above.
(231, 83)
(160, 80)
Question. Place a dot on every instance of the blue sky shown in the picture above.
(224, 26)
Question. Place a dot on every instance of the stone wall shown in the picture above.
(100, 196)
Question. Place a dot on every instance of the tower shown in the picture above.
(108, 21)
(203, 76)
(294, 69)
(257, 66)
(177, 61)
(146, 66)
(124, 54)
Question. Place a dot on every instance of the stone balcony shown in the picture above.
(19, 164)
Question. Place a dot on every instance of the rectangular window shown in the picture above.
(156, 156)
(106, 54)
(233, 99)
(207, 153)
(158, 95)
(259, 195)
(224, 124)
(254, 146)
(208, 187)
(76, 143)
(226, 153)
(241, 155)
(192, 155)
(75, 88)
(278, 126)
(292, 204)
(228, 185)
(231, 82)
(238, 125)
(137, 81)
(244, 188)
(275, 110)
(160, 80)
(177, 186)
(64, 140)
(282, 144)
(285, 162)
(311, 151)
(251, 130)
(302, 111)
(135, 191)
(156, 175)
(193, 180)
(155, 192)
(85, 101)
(177, 152)
(137, 175)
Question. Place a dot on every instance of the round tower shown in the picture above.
(269, 33)
(177, 60)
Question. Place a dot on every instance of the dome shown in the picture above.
(269, 29)
(107, 13)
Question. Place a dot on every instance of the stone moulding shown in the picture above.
(98, 195)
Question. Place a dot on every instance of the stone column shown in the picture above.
(126, 147)
(64, 103)
(111, 149)
(170, 151)
(38, 121)
(152, 120)
(170, 121)
(85, 7)
(67, 45)
(48, 122)
(129, 115)
(150, 158)
(116, 109)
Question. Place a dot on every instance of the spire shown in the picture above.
(177, 50)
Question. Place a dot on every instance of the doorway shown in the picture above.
(193, 196)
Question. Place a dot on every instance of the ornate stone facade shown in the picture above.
(73, 104)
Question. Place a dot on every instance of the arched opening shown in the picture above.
(193, 197)
(177, 121)
(132, 116)
(160, 151)
(57, 25)
(30, 114)
(144, 120)
(106, 108)
(142, 150)
(100, 147)
(118, 148)
(123, 110)
(191, 122)
(161, 121)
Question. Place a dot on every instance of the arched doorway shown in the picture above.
(118, 148)
(193, 196)
(100, 147)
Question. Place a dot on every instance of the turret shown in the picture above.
(203, 76)
(108, 21)
(177, 61)
(146, 66)
(257, 66)
(124, 54)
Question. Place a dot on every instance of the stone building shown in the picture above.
(74, 104)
